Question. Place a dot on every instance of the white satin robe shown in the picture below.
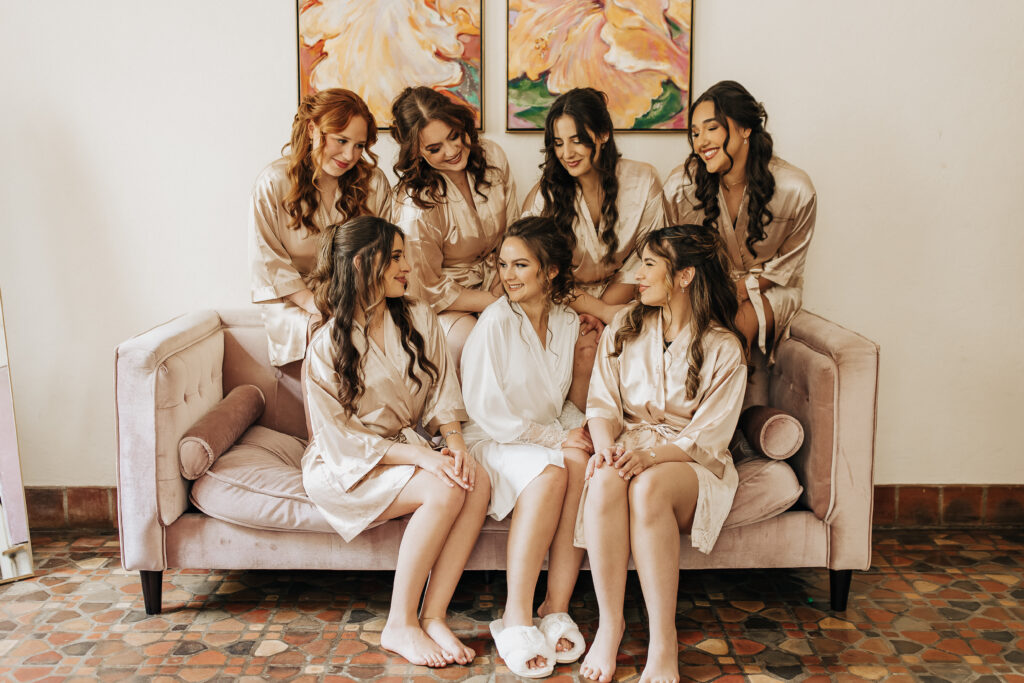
(642, 393)
(281, 258)
(641, 209)
(515, 390)
(780, 257)
(453, 245)
(341, 468)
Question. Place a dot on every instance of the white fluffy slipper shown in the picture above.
(560, 625)
(519, 644)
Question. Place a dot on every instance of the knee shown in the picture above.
(648, 495)
(444, 498)
(575, 465)
(481, 493)
(606, 485)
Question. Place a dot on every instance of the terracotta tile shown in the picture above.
(1004, 505)
(89, 507)
(917, 506)
(885, 506)
(962, 504)
(45, 507)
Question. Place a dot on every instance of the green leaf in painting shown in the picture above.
(668, 104)
(522, 92)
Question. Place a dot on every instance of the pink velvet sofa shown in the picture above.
(170, 376)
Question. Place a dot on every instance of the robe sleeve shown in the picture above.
(346, 445)
(706, 438)
(444, 401)
(678, 205)
(604, 399)
(512, 208)
(488, 405)
(533, 203)
(652, 218)
(379, 201)
(273, 276)
(787, 265)
(425, 232)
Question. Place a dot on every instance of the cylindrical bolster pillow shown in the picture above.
(216, 431)
(771, 432)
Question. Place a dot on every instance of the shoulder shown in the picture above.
(379, 181)
(678, 178)
(496, 317)
(422, 315)
(321, 344)
(564, 317)
(791, 180)
(494, 155)
(723, 345)
(273, 179)
(534, 201)
(637, 170)
(620, 318)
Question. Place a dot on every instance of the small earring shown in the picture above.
(744, 141)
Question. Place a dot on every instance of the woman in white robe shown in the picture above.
(603, 204)
(455, 197)
(378, 379)
(763, 207)
(664, 400)
(516, 370)
(329, 175)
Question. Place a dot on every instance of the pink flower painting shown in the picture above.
(378, 47)
(636, 51)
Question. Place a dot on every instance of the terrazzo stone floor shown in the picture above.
(936, 606)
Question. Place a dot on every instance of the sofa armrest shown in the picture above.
(827, 376)
(165, 379)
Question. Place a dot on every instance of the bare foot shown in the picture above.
(599, 664)
(412, 643)
(454, 649)
(662, 665)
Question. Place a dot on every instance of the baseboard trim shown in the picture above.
(897, 506)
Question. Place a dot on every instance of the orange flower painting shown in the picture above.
(378, 47)
(636, 51)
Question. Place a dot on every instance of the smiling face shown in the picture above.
(338, 152)
(708, 140)
(396, 279)
(655, 281)
(444, 148)
(576, 157)
(520, 272)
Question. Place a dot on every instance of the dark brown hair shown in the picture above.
(712, 294)
(551, 251)
(330, 111)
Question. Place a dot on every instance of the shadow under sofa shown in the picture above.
(170, 376)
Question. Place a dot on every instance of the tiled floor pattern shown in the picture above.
(937, 606)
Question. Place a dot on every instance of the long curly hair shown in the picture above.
(712, 294)
(349, 277)
(330, 111)
(732, 101)
(551, 251)
(588, 108)
(413, 109)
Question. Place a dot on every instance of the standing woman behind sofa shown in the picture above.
(763, 207)
(377, 371)
(328, 176)
(516, 370)
(455, 197)
(606, 203)
(665, 397)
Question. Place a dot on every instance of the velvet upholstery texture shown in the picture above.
(771, 432)
(167, 378)
(217, 430)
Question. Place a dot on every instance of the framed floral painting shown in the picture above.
(378, 47)
(636, 51)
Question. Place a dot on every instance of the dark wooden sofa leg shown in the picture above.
(152, 590)
(839, 587)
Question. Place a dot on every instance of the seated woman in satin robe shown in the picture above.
(455, 197)
(378, 373)
(605, 203)
(516, 370)
(763, 207)
(664, 400)
(328, 175)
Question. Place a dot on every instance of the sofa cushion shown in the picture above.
(258, 484)
(767, 488)
(772, 432)
(218, 429)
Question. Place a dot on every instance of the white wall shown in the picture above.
(130, 134)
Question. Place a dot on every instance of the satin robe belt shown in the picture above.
(754, 292)
(644, 435)
(596, 289)
(411, 436)
(475, 276)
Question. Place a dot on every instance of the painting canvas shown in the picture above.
(635, 51)
(378, 47)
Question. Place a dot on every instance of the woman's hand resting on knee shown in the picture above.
(453, 467)
(579, 438)
(631, 463)
(605, 456)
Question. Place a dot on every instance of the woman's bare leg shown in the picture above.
(662, 500)
(435, 508)
(533, 525)
(746, 321)
(606, 531)
(564, 559)
(457, 326)
(582, 367)
(446, 572)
